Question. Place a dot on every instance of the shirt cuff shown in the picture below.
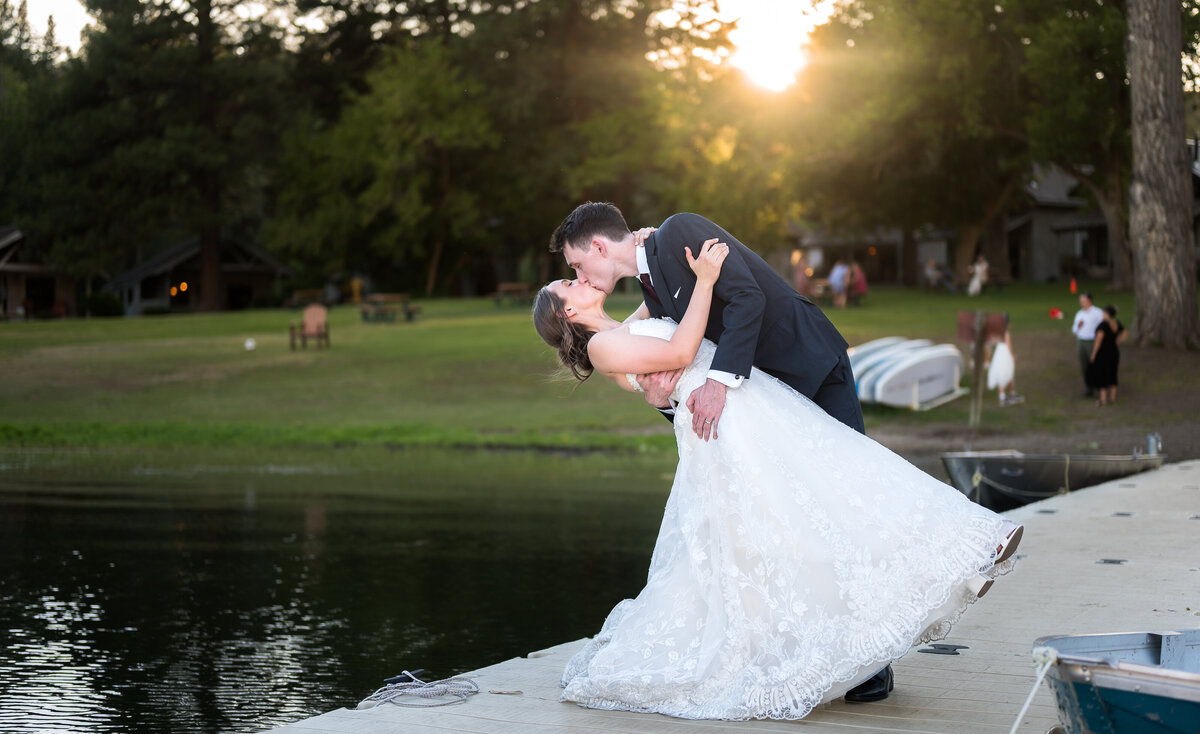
(725, 378)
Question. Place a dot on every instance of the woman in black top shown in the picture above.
(1106, 356)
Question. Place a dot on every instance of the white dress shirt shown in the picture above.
(1086, 322)
(725, 378)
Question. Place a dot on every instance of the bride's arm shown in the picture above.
(619, 352)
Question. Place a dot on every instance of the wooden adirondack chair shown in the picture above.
(314, 325)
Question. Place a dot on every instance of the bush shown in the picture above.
(105, 304)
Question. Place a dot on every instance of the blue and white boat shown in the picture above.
(861, 364)
(860, 352)
(920, 378)
(906, 373)
(1130, 683)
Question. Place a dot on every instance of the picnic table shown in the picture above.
(383, 307)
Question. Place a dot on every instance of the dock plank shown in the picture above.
(1060, 586)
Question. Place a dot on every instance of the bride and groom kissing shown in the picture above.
(797, 557)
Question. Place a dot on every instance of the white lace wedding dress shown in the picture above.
(796, 558)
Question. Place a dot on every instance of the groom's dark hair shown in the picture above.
(587, 221)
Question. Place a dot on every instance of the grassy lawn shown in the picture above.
(466, 372)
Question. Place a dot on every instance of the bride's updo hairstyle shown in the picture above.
(571, 340)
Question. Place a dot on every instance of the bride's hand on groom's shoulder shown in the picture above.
(707, 264)
(639, 237)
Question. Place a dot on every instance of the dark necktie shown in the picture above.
(645, 278)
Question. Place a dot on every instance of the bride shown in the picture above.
(796, 556)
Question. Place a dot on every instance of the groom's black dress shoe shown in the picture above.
(875, 688)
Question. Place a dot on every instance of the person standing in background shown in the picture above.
(839, 279)
(1106, 357)
(1087, 318)
(1001, 373)
(857, 289)
(800, 277)
(979, 276)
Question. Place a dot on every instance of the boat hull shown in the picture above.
(1133, 683)
(918, 377)
(858, 353)
(862, 366)
(906, 373)
(1003, 480)
(1089, 711)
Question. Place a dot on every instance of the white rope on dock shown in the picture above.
(1044, 657)
(416, 693)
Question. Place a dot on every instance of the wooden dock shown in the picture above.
(1123, 556)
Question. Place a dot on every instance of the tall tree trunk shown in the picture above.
(210, 268)
(440, 224)
(995, 249)
(964, 251)
(969, 234)
(1108, 189)
(1113, 207)
(1160, 228)
(431, 273)
(211, 295)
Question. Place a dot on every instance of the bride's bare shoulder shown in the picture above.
(607, 344)
(608, 336)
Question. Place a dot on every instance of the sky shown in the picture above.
(69, 20)
(769, 36)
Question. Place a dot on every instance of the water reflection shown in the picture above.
(233, 592)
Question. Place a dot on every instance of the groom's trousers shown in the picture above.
(838, 396)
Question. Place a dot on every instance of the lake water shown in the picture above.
(232, 591)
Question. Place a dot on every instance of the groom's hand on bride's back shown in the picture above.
(658, 386)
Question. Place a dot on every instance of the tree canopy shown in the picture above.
(434, 144)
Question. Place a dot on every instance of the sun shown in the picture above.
(770, 37)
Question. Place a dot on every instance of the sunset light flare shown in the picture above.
(770, 37)
(768, 42)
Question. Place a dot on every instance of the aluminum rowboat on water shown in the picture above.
(1002, 480)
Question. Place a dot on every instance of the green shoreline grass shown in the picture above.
(99, 435)
(466, 374)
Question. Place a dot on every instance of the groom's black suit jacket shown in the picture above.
(756, 317)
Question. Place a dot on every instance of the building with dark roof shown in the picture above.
(169, 280)
(28, 287)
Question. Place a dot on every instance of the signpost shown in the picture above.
(980, 328)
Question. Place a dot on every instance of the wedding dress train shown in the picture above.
(796, 558)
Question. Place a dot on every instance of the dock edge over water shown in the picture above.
(1119, 557)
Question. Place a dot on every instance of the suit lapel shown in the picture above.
(663, 286)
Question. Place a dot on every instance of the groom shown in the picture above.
(756, 319)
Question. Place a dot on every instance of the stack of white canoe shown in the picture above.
(907, 373)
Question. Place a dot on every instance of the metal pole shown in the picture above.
(977, 368)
